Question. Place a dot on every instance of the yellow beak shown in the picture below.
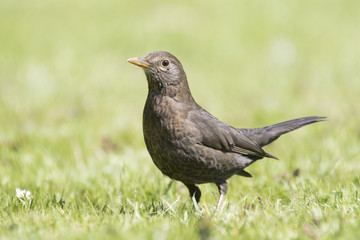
(139, 62)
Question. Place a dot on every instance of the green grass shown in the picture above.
(71, 108)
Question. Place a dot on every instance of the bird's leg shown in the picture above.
(195, 194)
(222, 186)
(168, 187)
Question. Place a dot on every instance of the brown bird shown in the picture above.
(189, 144)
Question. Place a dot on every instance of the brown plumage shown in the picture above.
(189, 144)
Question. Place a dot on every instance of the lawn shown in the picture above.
(71, 117)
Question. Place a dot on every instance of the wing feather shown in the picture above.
(214, 133)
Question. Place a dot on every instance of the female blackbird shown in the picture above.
(189, 144)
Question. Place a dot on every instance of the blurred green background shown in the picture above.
(71, 106)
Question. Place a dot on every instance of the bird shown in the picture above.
(187, 143)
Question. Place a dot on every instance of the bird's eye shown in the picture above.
(165, 63)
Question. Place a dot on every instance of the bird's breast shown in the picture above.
(172, 142)
(163, 120)
(165, 133)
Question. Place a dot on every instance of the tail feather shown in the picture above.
(266, 135)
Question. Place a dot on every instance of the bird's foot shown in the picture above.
(222, 186)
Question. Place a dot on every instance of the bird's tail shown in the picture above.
(266, 135)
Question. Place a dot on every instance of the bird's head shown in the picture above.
(164, 73)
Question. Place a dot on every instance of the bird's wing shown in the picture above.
(214, 133)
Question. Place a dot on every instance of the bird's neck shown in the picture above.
(180, 91)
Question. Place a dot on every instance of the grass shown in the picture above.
(71, 107)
